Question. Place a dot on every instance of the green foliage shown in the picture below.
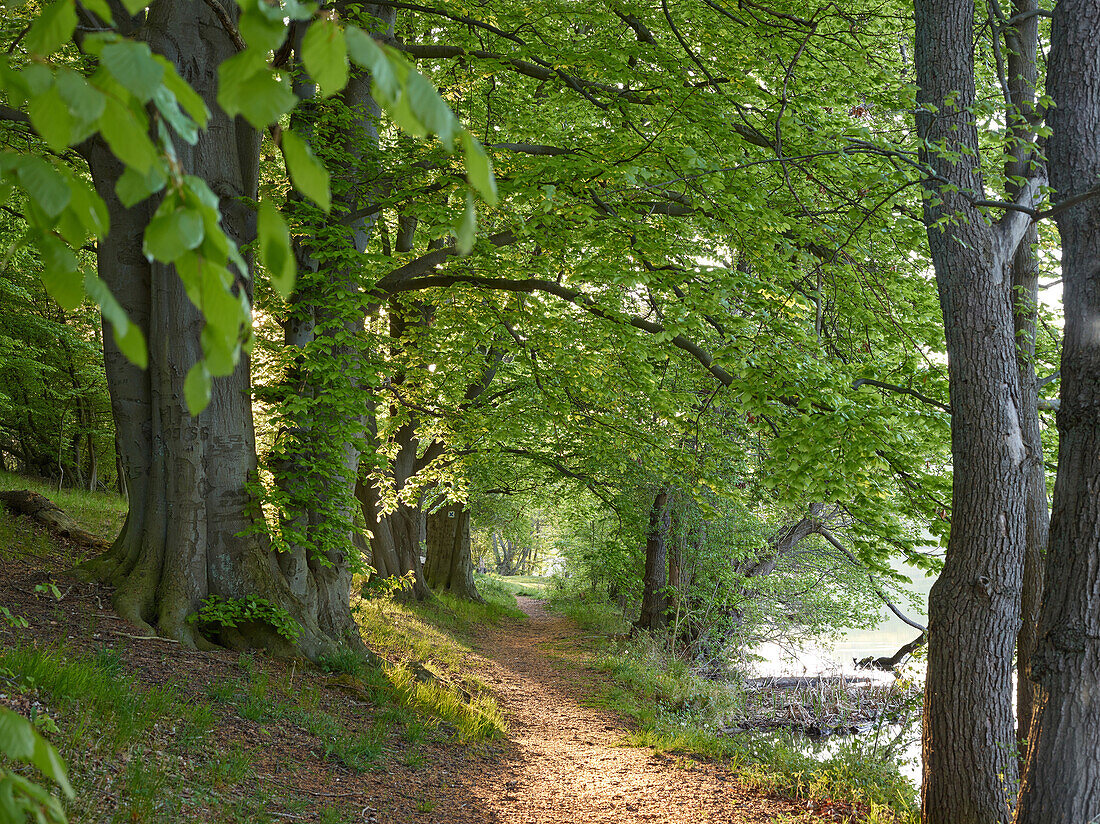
(21, 798)
(345, 661)
(63, 212)
(377, 586)
(216, 612)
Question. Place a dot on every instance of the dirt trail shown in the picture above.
(565, 765)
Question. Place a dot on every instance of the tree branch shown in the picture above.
(574, 296)
(824, 532)
(902, 390)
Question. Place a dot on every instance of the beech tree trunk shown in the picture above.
(1062, 779)
(325, 320)
(450, 565)
(970, 766)
(654, 613)
(191, 527)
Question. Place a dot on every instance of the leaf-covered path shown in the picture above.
(565, 764)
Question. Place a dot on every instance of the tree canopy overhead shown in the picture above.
(708, 296)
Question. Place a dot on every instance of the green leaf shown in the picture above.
(430, 109)
(53, 28)
(51, 119)
(308, 174)
(197, 388)
(265, 98)
(479, 169)
(168, 107)
(221, 353)
(246, 86)
(275, 250)
(190, 100)
(43, 184)
(127, 136)
(260, 30)
(368, 54)
(324, 53)
(16, 736)
(85, 103)
(171, 233)
(87, 213)
(133, 66)
(60, 274)
(133, 187)
(128, 336)
(101, 9)
(467, 229)
(49, 763)
(134, 6)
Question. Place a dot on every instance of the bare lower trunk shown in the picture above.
(450, 566)
(395, 541)
(1062, 779)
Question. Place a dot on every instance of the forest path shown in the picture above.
(565, 764)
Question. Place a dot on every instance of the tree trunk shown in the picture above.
(450, 566)
(395, 540)
(970, 768)
(654, 613)
(1062, 780)
(191, 530)
(318, 466)
(1022, 73)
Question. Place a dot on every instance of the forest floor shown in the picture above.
(154, 732)
(566, 763)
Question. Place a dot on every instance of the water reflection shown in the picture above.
(838, 656)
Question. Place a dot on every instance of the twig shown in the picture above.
(145, 637)
(314, 792)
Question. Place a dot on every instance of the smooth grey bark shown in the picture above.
(509, 558)
(970, 768)
(654, 614)
(1062, 778)
(450, 565)
(193, 528)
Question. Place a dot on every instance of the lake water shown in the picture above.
(837, 657)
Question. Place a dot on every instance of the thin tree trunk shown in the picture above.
(1022, 72)
(654, 613)
(1062, 779)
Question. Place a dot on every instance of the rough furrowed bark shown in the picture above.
(970, 765)
(450, 565)
(1062, 778)
(191, 530)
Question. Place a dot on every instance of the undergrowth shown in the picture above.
(679, 711)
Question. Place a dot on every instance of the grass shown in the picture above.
(533, 586)
(677, 711)
(426, 650)
(151, 753)
(101, 513)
